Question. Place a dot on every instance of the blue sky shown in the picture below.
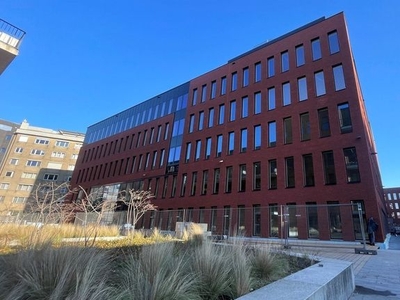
(92, 59)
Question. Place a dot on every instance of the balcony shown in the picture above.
(10, 40)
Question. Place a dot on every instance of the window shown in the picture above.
(289, 168)
(58, 154)
(188, 150)
(162, 156)
(19, 200)
(274, 220)
(183, 185)
(232, 115)
(234, 82)
(198, 150)
(219, 146)
(166, 131)
(323, 120)
(286, 99)
(41, 141)
(165, 187)
(216, 181)
(191, 123)
(319, 83)
(194, 100)
(24, 187)
(4, 186)
(257, 72)
(271, 66)
(257, 103)
(52, 177)
(329, 167)
(37, 152)
(241, 228)
(201, 120)
(62, 144)
(204, 93)
(228, 183)
(221, 114)
(242, 178)
(9, 174)
(338, 77)
(256, 176)
(211, 117)
(300, 56)
(285, 61)
(344, 118)
(154, 161)
(312, 218)
(350, 158)
(316, 49)
(74, 156)
(271, 98)
(223, 85)
(33, 163)
(272, 134)
(243, 140)
(245, 107)
(3, 150)
(13, 161)
(19, 150)
(231, 142)
(257, 137)
(204, 182)
(333, 42)
(308, 170)
(256, 220)
(302, 86)
(213, 89)
(245, 77)
(273, 174)
(287, 131)
(194, 184)
(305, 126)
(22, 138)
(208, 147)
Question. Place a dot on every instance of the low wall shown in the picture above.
(327, 279)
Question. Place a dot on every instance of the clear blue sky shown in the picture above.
(83, 61)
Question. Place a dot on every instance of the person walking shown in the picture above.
(372, 227)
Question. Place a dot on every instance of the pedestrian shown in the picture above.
(372, 227)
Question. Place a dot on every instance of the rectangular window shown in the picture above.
(153, 164)
(256, 176)
(221, 114)
(191, 123)
(223, 85)
(213, 89)
(245, 81)
(333, 42)
(243, 140)
(19, 200)
(37, 152)
(274, 220)
(204, 93)
(305, 129)
(211, 117)
(208, 147)
(232, 115)
(188, 150)
(231, 142)
(350, 158)
(308, 170)
(285, 61)
(286, 99)
(166, 132)
(219, 146)
(272, 134)
(329, 167)
(287, 131)
(52, 177)
(9, 174)
(204, 182)
(165, 187)
(302, 86)
(257, 72)
(29, 175)
(183, 185)
(198, 150)
(228, 183)
(62, 144)
(335, 220)
(289, 168)
(241, 230)
(316, 49)
(194, 184)
(256, 220)
(4, 186)
(41, 141)
(273, 174)
(319, 83)
(271, 98)
(234, 82)
(162, 156)
(257, 103)
(245, 107)
(194, 100)
(33, 163)
(344, 118)
(312, 220)
(242, 178)
(300, 56)
(338, 77)
(323, 120)
(271, 66)
(25, 187)
(201, 120)
(19, 150)
(216, 181)
(257, 137)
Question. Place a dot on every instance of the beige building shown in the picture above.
(10, 40)
(34, 157)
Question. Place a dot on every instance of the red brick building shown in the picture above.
(274, 143)
(392, 198)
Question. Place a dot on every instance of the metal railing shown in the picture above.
(10, 34)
